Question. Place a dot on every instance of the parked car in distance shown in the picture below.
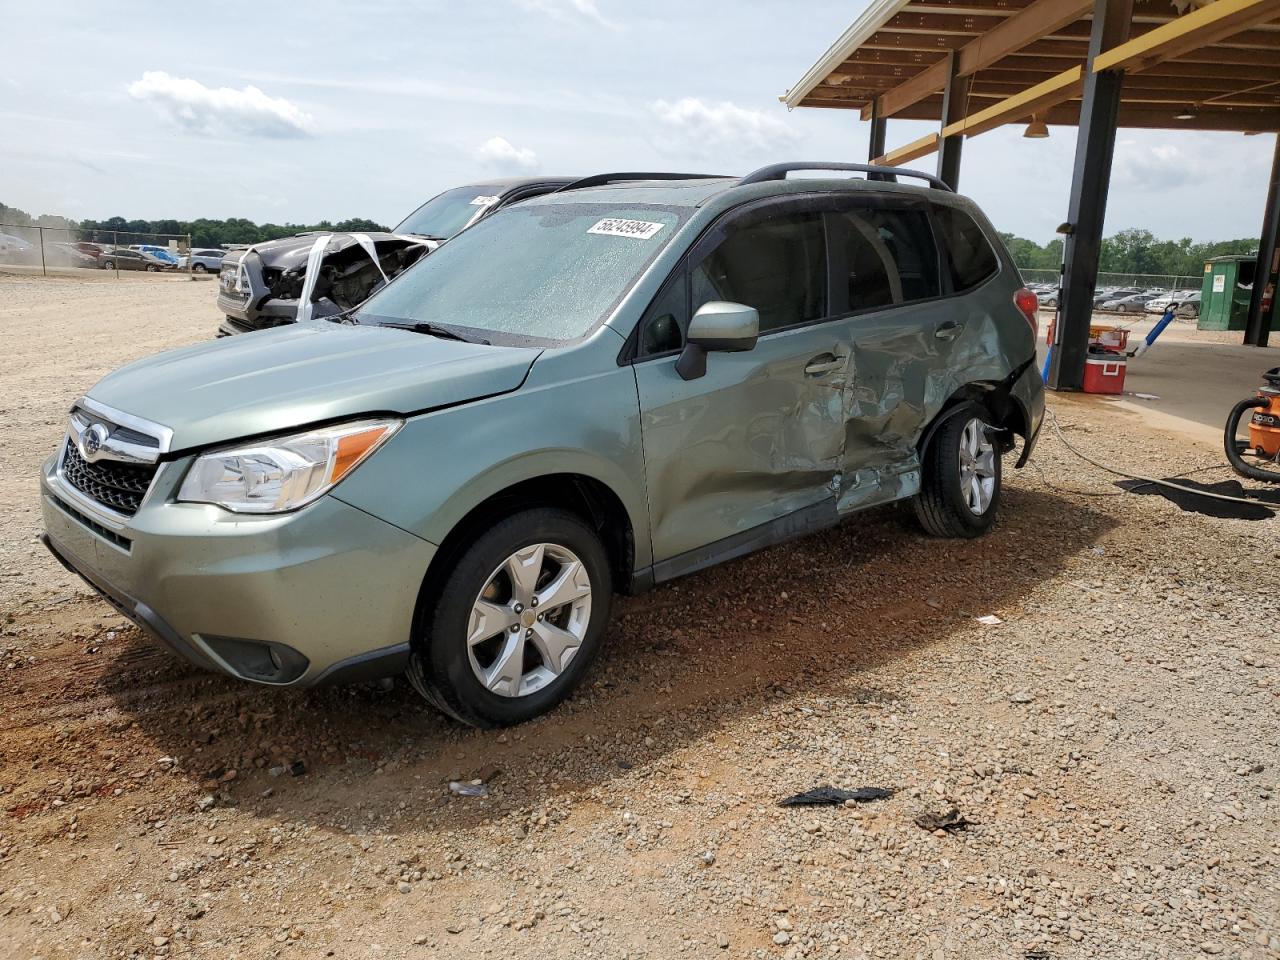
(17, 250)
(1165, 300)
(1133, 303)
(1048, 298)
(591, 391)
(202, 261)
(1189, 306)
(1114, 293)
(63, 254)
(260, 287)
(125, 259)
(94, 250)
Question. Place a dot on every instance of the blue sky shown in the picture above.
(303, 111)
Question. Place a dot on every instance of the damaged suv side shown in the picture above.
(323, 274)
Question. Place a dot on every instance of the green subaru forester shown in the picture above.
(593, 391)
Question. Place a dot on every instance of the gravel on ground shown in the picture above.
(1110, 746)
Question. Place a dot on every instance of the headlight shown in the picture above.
(285, 473)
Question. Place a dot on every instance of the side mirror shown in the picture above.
(718, 325)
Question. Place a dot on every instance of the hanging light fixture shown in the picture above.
(1188, 113)
(1036, 129)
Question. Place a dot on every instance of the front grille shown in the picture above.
(120, 486)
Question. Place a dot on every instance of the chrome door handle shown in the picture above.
(948, 330)
(824, 363)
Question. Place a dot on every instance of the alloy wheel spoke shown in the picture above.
(571, 583)
(985, 465)
(488, 620)
(506, 671)
(524, 568)
(557, 646)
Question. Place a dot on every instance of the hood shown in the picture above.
(290, 253)
(277, 380)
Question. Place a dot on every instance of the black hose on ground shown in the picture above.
(1233, 447)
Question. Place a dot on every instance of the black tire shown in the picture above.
(152, 268)
(108, 264)
(941, 508)
(198, 268)
(440, 667)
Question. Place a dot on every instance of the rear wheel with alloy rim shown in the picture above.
(961, 476)
(517, 620)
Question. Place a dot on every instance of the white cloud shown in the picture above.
(223, 111)
(569, 10)
(1154, 167)
(690, 125)
(498, 154)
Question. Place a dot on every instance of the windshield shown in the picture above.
(546, 272)
(443, 216)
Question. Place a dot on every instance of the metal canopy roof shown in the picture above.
(1215, 64)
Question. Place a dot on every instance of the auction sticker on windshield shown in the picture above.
(637, 229)
(484, 201)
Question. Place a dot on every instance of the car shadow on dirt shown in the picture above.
(679, 662)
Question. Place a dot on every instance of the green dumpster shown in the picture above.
(1224, 298)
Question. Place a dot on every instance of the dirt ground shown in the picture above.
(1113, 741)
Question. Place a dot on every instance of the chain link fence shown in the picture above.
(72, 251)
(1145, 281)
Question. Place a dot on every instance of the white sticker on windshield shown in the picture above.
(613, 227)
(484, 201)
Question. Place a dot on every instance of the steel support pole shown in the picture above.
(1090, 178)
(1262, 302)
(875, 147)
(955, 102)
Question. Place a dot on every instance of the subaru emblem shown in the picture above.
(92, 439)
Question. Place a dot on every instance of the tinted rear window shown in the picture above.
(887, 256)
(968, 251)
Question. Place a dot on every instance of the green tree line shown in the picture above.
(1133, 251)
(204, 232)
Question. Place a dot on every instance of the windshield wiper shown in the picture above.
(434, 330)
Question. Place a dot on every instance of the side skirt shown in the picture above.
(797, 524)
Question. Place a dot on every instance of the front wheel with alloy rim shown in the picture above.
(961, 474)
(516, 621)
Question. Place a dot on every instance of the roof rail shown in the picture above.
(779, 171)
(600, 179)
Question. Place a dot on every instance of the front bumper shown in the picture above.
(255, 309)
(324, 594)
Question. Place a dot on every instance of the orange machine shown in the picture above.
(1263, 446)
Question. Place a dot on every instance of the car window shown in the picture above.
(887, 256)
(968, 252)
(543, 271)
(443, 216)
(776, 264)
